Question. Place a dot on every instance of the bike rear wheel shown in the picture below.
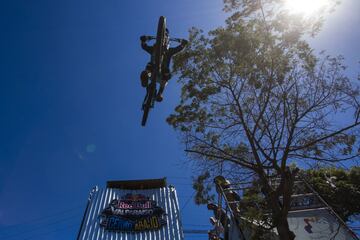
(158, 55)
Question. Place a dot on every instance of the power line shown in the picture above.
(186, 203)
(40, 227)
(183, 184)
(49, 232)
(177, 177)
(77, 208)
(195, 231)
(197, 225)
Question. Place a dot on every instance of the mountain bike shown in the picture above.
(160, 46)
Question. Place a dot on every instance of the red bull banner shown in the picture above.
(132, 213)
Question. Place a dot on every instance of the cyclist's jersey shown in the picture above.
(167, 56)
(169, 53)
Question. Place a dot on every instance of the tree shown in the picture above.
(339, 188)
(255, 97)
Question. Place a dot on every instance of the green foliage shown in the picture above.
(202, 189)
(339, 188)
(250, 83)
(254, 208)
(256, 84)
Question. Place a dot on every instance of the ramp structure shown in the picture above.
(310, 216)
(137, 209)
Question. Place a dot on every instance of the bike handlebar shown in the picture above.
(171, 39)
(176, 39)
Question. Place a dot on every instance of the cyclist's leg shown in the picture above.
(165, 78)
(166, 75)
(145, 75)
(159, 96)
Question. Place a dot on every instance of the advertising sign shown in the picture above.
(132, 213)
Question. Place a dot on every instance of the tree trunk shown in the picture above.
(280, 210)
(284, 231)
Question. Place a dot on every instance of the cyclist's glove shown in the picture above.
(143, 38)
(184, 42)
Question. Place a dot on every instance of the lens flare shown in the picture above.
(306, 7)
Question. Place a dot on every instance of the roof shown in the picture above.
(137, 184)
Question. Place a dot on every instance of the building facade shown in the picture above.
(132, 210)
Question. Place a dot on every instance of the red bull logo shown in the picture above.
(133, 212)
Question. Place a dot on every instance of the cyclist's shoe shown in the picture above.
(159, 98)
(145, 75)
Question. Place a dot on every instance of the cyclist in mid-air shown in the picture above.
(168, 54)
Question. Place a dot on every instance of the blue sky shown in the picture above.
(70, 101)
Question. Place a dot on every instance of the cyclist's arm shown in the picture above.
(146, 47)
(177, 49)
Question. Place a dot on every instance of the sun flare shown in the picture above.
(306, 7)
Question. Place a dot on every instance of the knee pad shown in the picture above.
(144, 76)
(166, 76)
